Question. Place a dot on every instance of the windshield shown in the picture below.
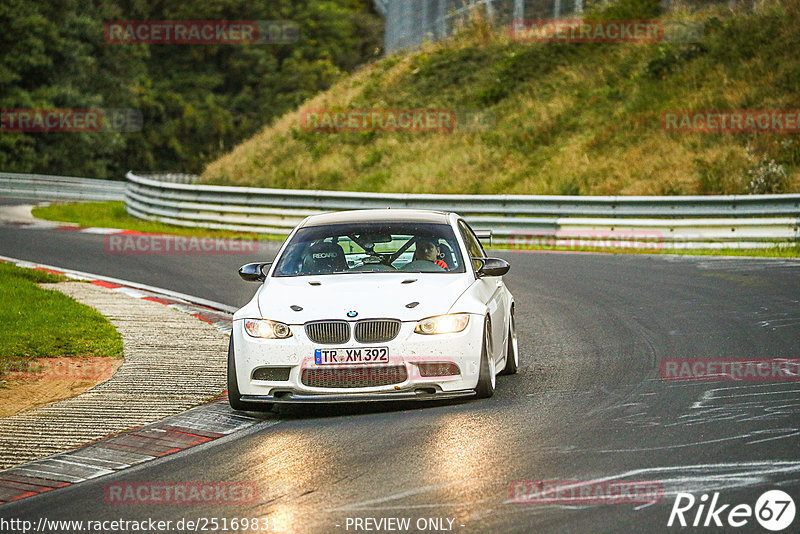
(371, 248)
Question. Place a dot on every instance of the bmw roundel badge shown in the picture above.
(352, 313)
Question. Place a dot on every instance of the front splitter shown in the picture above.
(325, 398)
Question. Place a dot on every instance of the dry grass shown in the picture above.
(570, 119)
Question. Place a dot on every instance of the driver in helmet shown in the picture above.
(428, 250)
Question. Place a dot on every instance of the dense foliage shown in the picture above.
(196, 101)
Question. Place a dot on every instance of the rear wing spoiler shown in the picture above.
(484, 235)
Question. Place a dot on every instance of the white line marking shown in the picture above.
(94, 230)
(183, 296)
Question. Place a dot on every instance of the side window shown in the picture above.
(474, 248)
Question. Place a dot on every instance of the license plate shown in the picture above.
(351, 355)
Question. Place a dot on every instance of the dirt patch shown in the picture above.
(29, 384)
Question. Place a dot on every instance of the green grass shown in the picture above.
(112, 214)
(41, 323)
(577, 119)
(770, 252)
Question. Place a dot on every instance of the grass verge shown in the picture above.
(771, 252)
(112, 214)
(39, 323)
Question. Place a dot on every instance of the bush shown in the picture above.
(623, 10)
(768, 177)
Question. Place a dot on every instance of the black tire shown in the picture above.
(486, 380)
(512, 352)
(234, 397)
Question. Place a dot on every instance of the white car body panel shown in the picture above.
(372, 295)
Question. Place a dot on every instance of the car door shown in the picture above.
(489, 288)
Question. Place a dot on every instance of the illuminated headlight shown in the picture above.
(443, 324)
(267, 329)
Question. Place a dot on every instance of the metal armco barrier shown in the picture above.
(743, 221)
(59, 187)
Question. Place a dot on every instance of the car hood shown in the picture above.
(371, 295)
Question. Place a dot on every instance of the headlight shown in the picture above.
(267, 329)
(443, 324)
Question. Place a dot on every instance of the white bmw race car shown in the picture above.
(373, 305)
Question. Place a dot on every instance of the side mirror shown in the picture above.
(253, 272)
(492, 266)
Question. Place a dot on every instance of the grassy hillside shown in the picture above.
(569, 118)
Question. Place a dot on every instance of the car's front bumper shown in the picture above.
(407, 350)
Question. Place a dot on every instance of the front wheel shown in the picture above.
(486, 377)
(512, 353)
(234, 397)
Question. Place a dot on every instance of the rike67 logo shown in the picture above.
(774, 510)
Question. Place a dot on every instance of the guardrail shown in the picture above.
(649, 222)
(43, 186)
